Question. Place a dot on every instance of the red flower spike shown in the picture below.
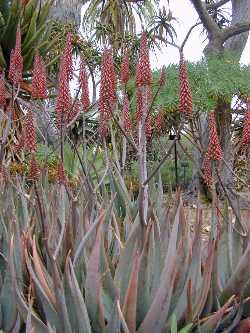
(246, 127)
(148, 127)
(214, 149)
(185, 96)
(107, 91)
(103, 126)
(125, 72)
(162, 79)
(63, 102)
(16, 61)
(83, 80)
(127, 126)
(108, 78)
(67, 57)
(206, 169)
(39, 81)
(143, 71)
(2, 90)
(30, 132)
(20, 145)
(74, 111)
(34, 171)
(61, 177)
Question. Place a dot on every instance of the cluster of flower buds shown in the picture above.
(34, 171)
(125, 72)
(64, 102)
(159, 120)
(30, 132)
(61, 177)
(107, 91)
(127, 126)
(39, 80)
(16, 61)
(84, 86)
(143, 70)
(214, 149)
(246, 127)
(185, 96)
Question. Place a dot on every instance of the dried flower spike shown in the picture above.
(214, 149)
(246, 127)
(34, 171)
(16, 61)
(125, 72)
(83, 81)
(185, 96)
(143, 70)
(30, 132)
(2, 91)
(39, 81)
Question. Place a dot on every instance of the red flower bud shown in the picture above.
(127, 126)
(2, 90)
(16, 61)
(83, 80)
(246, 127)
(206, 169)
(39, 81)
(185, 96)
(61, 177)
(30, 132)
(125, 72)
(214, 149)
(34, 171)
(143, 71)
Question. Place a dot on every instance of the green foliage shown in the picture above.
(209, 81)
(34, 27)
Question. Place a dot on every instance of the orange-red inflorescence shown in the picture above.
(125, 72)
(127, 126)
(143, 70)
(39, 81)
(67, 57)
(246, 127)
(185, 96)
(2, 91)
(34, 171)
(63, 102)
(16, 61)
(83, 81)
(214, 149)
(30, 132)
(107, 91)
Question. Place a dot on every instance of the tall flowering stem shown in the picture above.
(107, 91)
(143, 83)
(16, 61)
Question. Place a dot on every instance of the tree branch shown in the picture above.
(236, 29)
(205, 18)
(216, 5)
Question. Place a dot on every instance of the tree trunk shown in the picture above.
(235, 45)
